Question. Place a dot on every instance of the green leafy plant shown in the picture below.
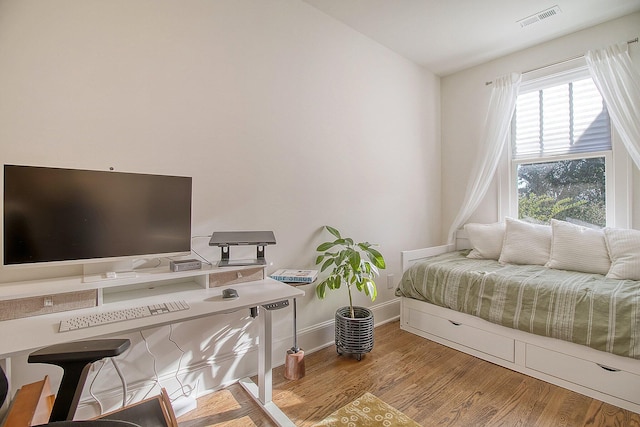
(544, 207)
(354, 264)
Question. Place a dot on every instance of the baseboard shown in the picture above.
(198, 379)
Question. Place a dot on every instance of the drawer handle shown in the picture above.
(455, 323)
(608, 368)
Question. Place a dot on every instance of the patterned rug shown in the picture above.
(367, 410)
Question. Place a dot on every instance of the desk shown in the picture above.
(31, 333)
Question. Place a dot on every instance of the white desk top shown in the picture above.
(31, 333)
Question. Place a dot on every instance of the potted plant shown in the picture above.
(354, 265)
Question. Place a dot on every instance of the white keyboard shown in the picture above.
(98, 319)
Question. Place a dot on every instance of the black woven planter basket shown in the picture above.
(354, 336)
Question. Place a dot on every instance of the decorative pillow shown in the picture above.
(578, 248)
(525, 243)
(624, 251)
(486, 240)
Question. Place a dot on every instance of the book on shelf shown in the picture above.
(294, 276)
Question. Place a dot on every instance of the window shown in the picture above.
(561, 151)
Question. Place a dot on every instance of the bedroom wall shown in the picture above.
(465, 98)
(285, 118)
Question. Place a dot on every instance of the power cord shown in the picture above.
(103, 361)
(182, 353)
(124, 383)
(122, 380)
(155, 370)
(206, 261)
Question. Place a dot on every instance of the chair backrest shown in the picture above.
(4, 386)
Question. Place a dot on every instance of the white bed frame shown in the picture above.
(600, 375)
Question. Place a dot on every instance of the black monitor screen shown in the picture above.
(53, 214)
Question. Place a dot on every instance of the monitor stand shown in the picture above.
(225, 261)
(225, 239)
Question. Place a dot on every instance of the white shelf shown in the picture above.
(45, 287)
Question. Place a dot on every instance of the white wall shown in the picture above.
(465, 98)
(306, 121)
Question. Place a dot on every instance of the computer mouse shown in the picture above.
(229, 293)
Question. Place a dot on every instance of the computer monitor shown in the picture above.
(55, 215)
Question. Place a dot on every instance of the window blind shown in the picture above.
(568, 118)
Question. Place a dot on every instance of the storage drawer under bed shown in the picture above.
(604, 379)
(474, 338)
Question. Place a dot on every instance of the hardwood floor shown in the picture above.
(434, 385)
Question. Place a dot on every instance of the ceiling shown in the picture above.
(446, 36)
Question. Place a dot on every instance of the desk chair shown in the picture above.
(4, 388)
(76, 359)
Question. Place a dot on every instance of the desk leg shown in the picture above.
(262, 392)
(265, 379)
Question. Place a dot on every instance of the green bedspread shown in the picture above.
(582, 308)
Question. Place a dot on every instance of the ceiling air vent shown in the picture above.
(537, 17)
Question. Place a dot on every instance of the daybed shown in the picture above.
(516, 299)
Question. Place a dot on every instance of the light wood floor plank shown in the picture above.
(433, 384)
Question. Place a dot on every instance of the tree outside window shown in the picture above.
(568, 190)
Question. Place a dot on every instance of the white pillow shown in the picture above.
(578, 248)
(485, 239)
(624, 251)
(525, 243)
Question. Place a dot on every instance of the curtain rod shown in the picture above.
(564, 61)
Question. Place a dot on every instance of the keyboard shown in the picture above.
(98, 319)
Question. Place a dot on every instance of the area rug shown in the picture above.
(367, 410)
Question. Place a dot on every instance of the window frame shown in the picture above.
(618, 167)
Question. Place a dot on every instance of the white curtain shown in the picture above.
(504, 93)
(619, 83)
